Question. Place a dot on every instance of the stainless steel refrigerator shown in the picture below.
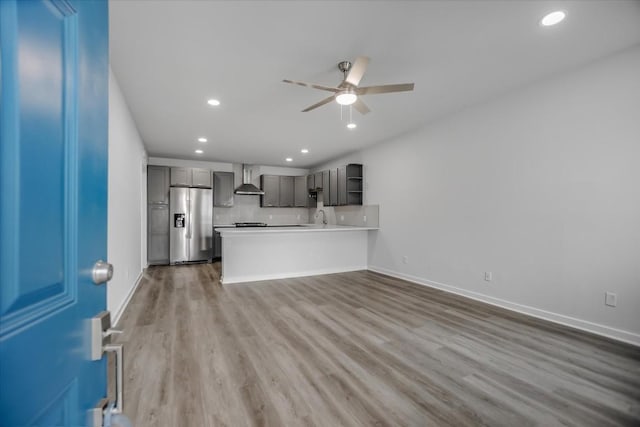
(191, 235)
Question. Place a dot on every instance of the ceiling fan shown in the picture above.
(348, 92)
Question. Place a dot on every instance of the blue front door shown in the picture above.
(53, 196)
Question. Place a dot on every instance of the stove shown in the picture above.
(250, 224)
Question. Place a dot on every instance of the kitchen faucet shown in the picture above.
(324, 216)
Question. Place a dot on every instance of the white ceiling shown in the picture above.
(171, 56)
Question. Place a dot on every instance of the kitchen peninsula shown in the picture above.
(252, 254)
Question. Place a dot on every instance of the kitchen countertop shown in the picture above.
(298, 228)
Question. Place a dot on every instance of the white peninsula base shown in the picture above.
(281, 252)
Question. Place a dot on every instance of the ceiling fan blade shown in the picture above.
(319, 104)
(371, 90)
(315, 86)
(361, 106)
(357, 70)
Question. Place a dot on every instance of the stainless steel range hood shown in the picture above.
(247, 187)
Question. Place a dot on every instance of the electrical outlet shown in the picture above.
(488, 276)
(341, 217)
(364, 218)
(270, 216)
(298, 216)
(610, 299)
(405, 259)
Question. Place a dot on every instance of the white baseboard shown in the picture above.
(584, 325)
(259, 278)
(115, 318)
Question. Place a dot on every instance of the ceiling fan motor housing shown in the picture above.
(344, 66)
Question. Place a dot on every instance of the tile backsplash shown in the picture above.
(362, 216)
(247, 208)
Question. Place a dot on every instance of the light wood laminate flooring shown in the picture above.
(358, 349)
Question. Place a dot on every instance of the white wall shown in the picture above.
(541, 187)
(126, 246)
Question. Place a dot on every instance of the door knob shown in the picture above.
(102, 272)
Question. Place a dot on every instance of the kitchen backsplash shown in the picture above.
(362, 216)
(247, 209)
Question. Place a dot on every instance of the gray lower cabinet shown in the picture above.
(158, 184)
(286, 191)
(301, 192)
(325, 189)
(223, 186)
(217, 245)
(270, 184)
(157, 234)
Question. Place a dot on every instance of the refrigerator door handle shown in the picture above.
(188, 233)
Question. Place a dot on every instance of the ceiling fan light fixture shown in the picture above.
(346, 97)
(553, 18)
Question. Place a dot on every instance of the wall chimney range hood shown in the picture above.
(247, 188)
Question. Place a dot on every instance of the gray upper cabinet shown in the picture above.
(158, 184)
(301, 192)
(353, 184)
(180, 177)
(325, 188)
(333, 187)
(311, 182)
(270, 184)
(342, 186)
(286, 191)
(223, 186)
(190, 177)
(201, 178)
(317, 178)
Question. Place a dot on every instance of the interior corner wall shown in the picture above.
(127, 194)
(541, 187)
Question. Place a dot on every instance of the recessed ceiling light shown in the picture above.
(199, 151)
(289, 159)
(352, 125)
(304, 151)
(202, 139)
(553, 18)
(213, 102)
